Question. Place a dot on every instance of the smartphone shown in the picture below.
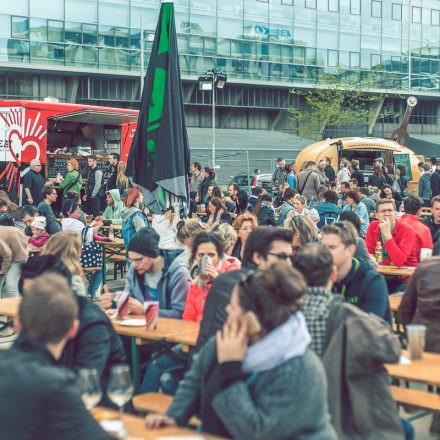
(254, 326)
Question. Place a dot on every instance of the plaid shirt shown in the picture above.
(316, 309)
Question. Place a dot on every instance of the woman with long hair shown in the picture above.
(244, 224)
(304, 231)
(264, 211)
(72, 181)
(387, 192)
(122, 182)
(133, 218)
(377, 179)
(259, 373)
(228, 234)
(300, 208)
(354, 204)
(66, 246)
(216, 209)
(402, 180)
(164, 224)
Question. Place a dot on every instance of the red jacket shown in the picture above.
(39, 241)
(402, 248)
(423, 234)
(195, 300)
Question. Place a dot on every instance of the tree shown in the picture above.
(335, 102)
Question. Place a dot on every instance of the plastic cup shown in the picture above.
(416, 340)
(425, 253)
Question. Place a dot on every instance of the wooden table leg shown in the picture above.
(135, 365)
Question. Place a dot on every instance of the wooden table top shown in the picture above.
(9, 306)
(425, 370)
(188, 339)
(117, 242)
(394, 271)
(395, 301)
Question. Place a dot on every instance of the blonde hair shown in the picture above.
(74, 163)
(121, 178)
(227, 232)
(301, 199)
(66, 245)
(189, 228)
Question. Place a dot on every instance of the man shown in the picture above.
(364, 194)
(266, 245)
(112, 214)
(399, 243)
(279, 175)
(412, 206)
(95, 344)
(196, 176)
(33, 183)
(113, 160)
(233, 190)
(323, 179)
(433, 222)
(27, 215)
(329, 171)
(357, 174)
(353, 184)
(154, 275)
(49, 194)
(308, 182)
(380, 162)
(435, 181)
(345, 187)
(433, 163)
(357, 282)
(256, 191)
(420, 167)
(341, 335)
(328, 211)
(94, 181)
(43, 399)
(425, 184)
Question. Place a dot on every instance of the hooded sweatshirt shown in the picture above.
(364, 287)
(114, 212)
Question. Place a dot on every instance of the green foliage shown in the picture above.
(335, 102)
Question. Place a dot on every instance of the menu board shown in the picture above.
(57, 163)
(403, 159)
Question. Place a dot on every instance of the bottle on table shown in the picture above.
(111, 233)
(378, 252)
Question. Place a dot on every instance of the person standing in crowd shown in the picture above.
(279, 175)
(244, 224)
(320, 170)
(328, 210)
(329, 171)
(208, 179)
(196, 176)
(44, 400)
(133, 218)
(402, 181)
(113, 211)
(113, 160)
(308, 182)
(256, 192)
(94, 182)
(45, 209)
(248, 391)
(425, 184)
(377, 179)
(343, 174)
(264, 211)
(72, 182)
(33, 183)
(433, 222)
(357, 282)
(435, 181)
(165, 225)
(291, 178)
(186, 232)
(433, 163)
(354, 204)
(357, 173)
(122, 182)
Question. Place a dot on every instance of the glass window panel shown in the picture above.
(121, 37)
(321, 57)
(182, 23)
(311, 4)
(333, 5)
(392, 28)
(113, 15)
(349, 42)
(135, 38)
(223, 47)
(322, 5)
(81, 10)
(228, 28)
(202, 24)
(280, 33)
(370, 42)
(106, 36)
(355, 7)
(332, 58)
(305, 17)
(375, 60)
(310, 56)
(354, 59)
(299, 55)
(416, 14)
(391, 45)
(426, 16)
(396, 12)
(250, 50)
(5, 26)
(262, 51)
(237, 49)
(287, 54)
(47, 9)
(435, 17)
(287, 2)
(196, 45)
(72, 32)
(304, 37)
(327, 39)
(55, 30)
(16, 7)
(256, 9)
(255, 31)
(202, 6)
(274, 52)
(327, 19)
(230, 7)
(149, 18)
(278, 13)
(38, 29)
(20, 27)
(182, 43)
(365, 60)
(350, 23)
(210, 46)
(90, 34)
(376, 9)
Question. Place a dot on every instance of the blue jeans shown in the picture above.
(95, 280)
(407, 429)
(163, 372)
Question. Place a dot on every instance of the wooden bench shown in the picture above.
(416, 398)
(91, 269)
(157, 403)
(119, 262)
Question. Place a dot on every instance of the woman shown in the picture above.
(186, 231)
(133, 218)
(357, 173)
(300, 208)
(343, 174)
(244, 224)
(216, 209)
(12, 214)
(208, 179)
(228, 234)
(402, 181)
(165, 226)
(253, 380)
(264, 211)
(242, 202)
(387, 192)
(291, 178)
(205, 244)
(66, 246)
(377, 179)
(320, 197)
(353, 203)
(122, 182)
(72, 182)
(286, 207)
(304, 231)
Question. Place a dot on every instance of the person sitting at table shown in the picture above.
(133, 219)
(353, 203)
(205, 244)
(44, 208)
(328, 210)
(72, 182)
(387, 192)
(216, 209)
(244, 224)
(341, 335)
(303, 231)
(154, 275)
(186, 231)
(112, 215)
(357, 282)
(43, 400)
(433, 221)
(165, 225)
(96, 343)
(286, 206)
(5, 218)
(39, 235)
(242, 382)
(71, 222)
(27, 214)
(227, 232)
(265, 211)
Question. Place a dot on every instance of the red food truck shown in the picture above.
(49, 131)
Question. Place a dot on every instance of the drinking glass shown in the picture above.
(120, 387)
(90, 389)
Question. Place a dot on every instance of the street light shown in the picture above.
(209, 81)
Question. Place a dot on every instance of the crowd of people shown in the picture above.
(283, 284)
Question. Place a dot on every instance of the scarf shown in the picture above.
(287, 341)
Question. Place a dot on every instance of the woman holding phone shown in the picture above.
(257, 379)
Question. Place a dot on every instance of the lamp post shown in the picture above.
(211, 80)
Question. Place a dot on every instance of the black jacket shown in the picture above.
(435, 183)
(365, 288)
(203, 190)
(111, 183)
(330, 173)
(359, 176)
(376, 180)
(39, 400)
(96, 344)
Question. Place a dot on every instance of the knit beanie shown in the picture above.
(145, 242)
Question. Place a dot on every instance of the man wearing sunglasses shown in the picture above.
(264, 247)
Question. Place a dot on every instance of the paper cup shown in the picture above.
(416, 340)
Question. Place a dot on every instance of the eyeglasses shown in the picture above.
(282, 256)
(136, 260)
(386, 211)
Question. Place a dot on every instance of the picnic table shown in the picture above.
(395, 271)
(394, 301)
(110, 249)
(9, 306)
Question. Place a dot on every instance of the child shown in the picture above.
(39, 234)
